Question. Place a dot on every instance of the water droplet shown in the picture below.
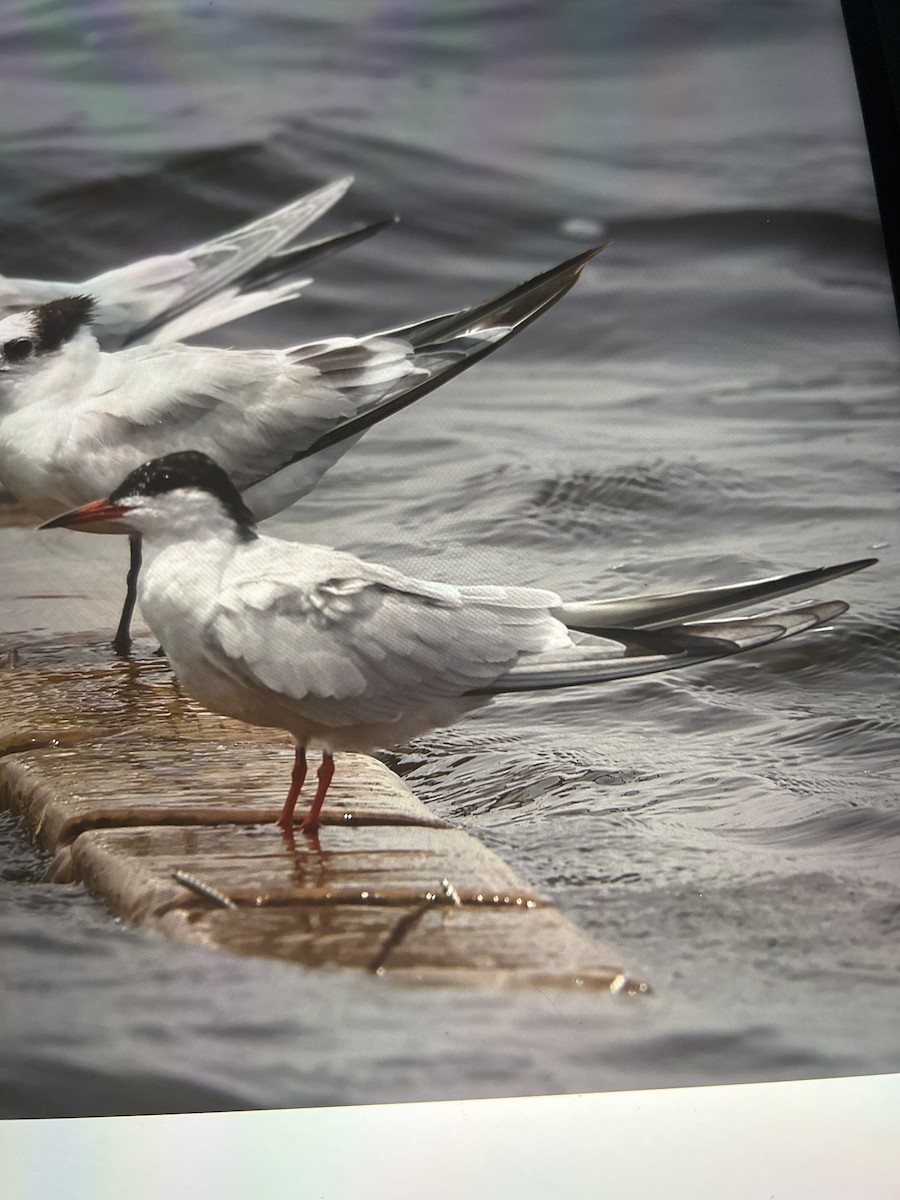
(582, 229)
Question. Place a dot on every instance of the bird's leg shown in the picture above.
(122, 640)
(311, 820)
(298, 774)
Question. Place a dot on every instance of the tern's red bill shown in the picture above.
(97, 510)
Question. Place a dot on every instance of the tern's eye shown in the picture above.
(17, 349)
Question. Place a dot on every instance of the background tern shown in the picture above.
(170, 297)
(349, 655)
(74, 419)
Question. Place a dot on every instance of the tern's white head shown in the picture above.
(173, 498)
(31, 337)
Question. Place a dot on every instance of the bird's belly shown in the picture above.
(217, 690)
(256, 705)
(221, 694)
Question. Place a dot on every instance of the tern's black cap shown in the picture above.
(58, 321)
(187, 469)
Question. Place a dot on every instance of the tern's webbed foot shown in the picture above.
(122, 645)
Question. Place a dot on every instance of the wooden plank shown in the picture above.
(168, 814)
(258, 866)
(64, 791)
(64, 693)
(423, 943)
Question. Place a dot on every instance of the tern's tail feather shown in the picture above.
(594, 660)
(673, 608)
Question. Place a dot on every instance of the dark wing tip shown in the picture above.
(517, 307)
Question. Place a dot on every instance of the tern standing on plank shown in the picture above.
(169, 297)
(75, 420)
(349, 655)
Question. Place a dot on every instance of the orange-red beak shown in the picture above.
(97, 510)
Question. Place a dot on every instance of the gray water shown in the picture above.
(716, 400)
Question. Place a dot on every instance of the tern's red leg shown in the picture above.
(298, 774)
(311, 820)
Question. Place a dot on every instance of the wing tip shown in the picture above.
(827, 610)
(581, 260)
(856, 564)
(825, 574)
(571, 267)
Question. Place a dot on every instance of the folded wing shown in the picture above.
(672, 608)
(369, 647)
(627, 654)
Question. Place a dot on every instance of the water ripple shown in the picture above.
(854, 826)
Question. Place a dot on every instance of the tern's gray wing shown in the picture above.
(437, 349)
(273, 281)
(660, 611)
(257, 412)
(633, 653)
(452, 342)
(368, 647)
(240, 407)
(172, 296)
(140, 298)
(286, 263)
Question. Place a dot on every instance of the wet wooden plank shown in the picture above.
(63, 694)
(255, 867)
(167, 813)
(374, 899)
(425, 943)
(64, 791)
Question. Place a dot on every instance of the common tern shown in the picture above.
(170, 297)
(349, 655)
(75, 419)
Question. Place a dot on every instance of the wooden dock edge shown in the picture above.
(166, 813)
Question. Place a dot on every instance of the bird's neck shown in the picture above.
(216, 535)
(189, 568)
